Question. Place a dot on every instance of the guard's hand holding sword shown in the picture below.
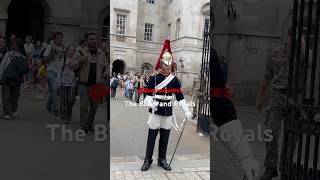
(185, 108)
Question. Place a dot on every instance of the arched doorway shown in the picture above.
(26, 18)
(118, 66)
(146, 68)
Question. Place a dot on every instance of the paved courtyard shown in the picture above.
(128, 142)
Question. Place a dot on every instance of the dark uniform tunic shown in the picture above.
(172, 87)
(221, 108)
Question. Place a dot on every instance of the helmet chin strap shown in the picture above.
(163, 72)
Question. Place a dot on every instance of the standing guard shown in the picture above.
(162, 85)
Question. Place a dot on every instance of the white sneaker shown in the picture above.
(200, 134)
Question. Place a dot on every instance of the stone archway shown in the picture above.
(118, 66)
(26, 18)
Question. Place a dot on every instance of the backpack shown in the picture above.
(115, 83)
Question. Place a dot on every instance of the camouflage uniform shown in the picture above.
(195, 94)
(277, 70)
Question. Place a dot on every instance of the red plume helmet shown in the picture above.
(166, 47)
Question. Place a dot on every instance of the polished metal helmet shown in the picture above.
(167, 58)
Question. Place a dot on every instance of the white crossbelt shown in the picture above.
(165, 82)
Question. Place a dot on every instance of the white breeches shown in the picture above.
(156, 121)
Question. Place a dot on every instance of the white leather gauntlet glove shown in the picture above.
(238, 146)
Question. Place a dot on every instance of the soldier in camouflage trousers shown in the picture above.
(276, 74)
(195, 95)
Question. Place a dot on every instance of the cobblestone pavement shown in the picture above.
(184, 167)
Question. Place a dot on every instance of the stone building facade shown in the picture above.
(247, 39)
(146, 24)
(40, 17)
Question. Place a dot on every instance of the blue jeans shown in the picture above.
(126, 92)
(52, 104)
(88, 108)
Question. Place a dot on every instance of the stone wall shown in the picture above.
(72, 17)
(247, 41)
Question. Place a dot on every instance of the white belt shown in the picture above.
(163, 97)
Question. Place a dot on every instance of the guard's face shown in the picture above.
(166, 68)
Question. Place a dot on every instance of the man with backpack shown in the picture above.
(114, 84)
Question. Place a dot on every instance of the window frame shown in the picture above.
(123, 24)
(169, 30)
(178, 27)
(105, 27)
(148, 32)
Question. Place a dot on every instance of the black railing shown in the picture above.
(204, 98)
(300, 157)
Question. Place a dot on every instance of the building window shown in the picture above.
(150, 1)
(178, 29)
(169, 30)
(121, 24)
(105, 29)
(148, 28)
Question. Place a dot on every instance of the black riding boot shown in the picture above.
(152, 135)
(163, 144)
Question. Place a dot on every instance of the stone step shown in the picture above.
(179, 163)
